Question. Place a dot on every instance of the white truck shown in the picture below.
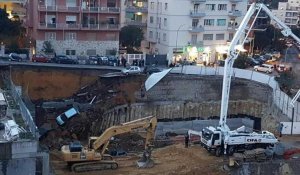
(221, 139)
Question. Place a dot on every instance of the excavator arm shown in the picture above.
(148, 123)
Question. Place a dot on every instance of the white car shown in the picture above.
(131, 70)
(64, 117)
(267, 68)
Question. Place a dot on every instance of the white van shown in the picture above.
(267, 68)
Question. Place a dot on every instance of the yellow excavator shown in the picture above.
(93, 157)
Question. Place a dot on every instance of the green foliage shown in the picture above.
(47, 47)
(8, 27)
(286, 81)
(270, 37)
(240, 62)
(131, 36)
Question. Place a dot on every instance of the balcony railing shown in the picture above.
(234, 1)
(196, 29)
(198, 1)
(100, 26)
(101, 9)
(136, 23)
(134, 9)
(235, 13)
(47, 8)
(68, 9)
(58, 26)
(195, 14)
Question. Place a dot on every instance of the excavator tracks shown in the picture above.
(94, 166)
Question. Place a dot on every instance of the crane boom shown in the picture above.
(233, 53)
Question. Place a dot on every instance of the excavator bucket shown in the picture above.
(145, 161)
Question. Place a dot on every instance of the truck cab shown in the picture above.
(211, 138)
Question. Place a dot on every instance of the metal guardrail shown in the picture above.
(26, 115)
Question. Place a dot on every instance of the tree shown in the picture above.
(240, 62)
(8, 27)
(47, 47)
(131, 37)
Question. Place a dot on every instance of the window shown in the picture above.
(164, 37)
(221, 22)
(222, 7)
(91, 52)
(220, 36)
(195, 23)
(150, 34)
(50, 36)
(70, 52)
(70, 36)
(151, 19)
(209, 22)
(70, 19)
(196, 7)
(152, 5)
(194, 39)
(208, 36)
(71, 3)
(165, 21)
(111, 3)
(210, 7)
(230, 36)
(166, 6)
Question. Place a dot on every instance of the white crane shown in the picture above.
(221, 138)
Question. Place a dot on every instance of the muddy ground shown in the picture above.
(170, 160)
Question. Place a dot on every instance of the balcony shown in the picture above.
(47, 8)
(197, 44)
(58, 26)
(100, 27)
(196, 29)
(235, 13)
(198, 1)
(68, 9)
(133, 9)
(196, 14)
(136, 23)
(232, 27)
(101, 10)
(235, 1)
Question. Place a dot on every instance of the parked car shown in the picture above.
(264, 68)
(252, 62)
(112, 61)
(40, 58)
(131, 70)
(103, 60)
(151, 70)
(64, 117)
(93, 60)
(64, 59)
(281, 68)
(15, 57)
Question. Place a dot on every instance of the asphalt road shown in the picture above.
(72, 66)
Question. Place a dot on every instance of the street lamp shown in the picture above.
(177, 37)
(289, 45)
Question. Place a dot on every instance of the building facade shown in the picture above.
(288, 12)
(195, 30)
(75, 27)
(135, 13)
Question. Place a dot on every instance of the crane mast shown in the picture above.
(232, 53)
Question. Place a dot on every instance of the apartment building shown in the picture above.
(75, 27)
(288, 12)
(198, 30)
(135, 13)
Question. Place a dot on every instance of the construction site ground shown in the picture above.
(170, 160)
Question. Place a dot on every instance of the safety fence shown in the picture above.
(281, 101)
(26, 115)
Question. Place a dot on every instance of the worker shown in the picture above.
(186, 140)
(280, 129)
